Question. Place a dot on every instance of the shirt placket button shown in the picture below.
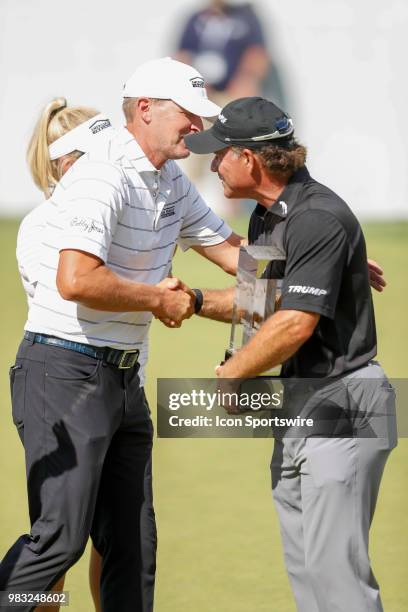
(155, 194)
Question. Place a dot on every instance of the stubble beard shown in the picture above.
(173, 151)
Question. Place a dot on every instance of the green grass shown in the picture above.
(219, 545)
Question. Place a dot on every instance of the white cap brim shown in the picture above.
(203, 107)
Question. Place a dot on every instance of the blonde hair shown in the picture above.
(55, 120)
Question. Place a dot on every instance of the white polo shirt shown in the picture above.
(29, 239)
(29, 245)
(114, 204)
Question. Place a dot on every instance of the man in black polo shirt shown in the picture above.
(325, 488)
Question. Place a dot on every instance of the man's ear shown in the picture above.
(248, 158)
(144, 106)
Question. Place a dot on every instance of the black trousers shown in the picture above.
(87, 435)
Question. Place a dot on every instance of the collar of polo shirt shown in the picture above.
(136, 154)
(150, 175)
(168, 79)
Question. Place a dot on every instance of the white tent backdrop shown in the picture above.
(342, 64)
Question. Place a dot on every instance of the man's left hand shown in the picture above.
(376, 275)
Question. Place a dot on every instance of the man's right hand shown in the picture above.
(176, 302)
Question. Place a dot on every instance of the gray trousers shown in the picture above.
(325, 492)
(87, 436)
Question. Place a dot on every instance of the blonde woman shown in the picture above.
(61, 136)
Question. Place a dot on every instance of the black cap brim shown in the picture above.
(204, 142)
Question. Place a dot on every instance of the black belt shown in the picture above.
(121, 359)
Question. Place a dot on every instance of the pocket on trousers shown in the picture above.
(17, 388)
(388, 428)
(76, 367)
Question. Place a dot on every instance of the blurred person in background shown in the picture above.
(47, 167)
(226, 43)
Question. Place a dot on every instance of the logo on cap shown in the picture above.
(222, 118)
(284, 207)
(197, 82)
(283, 124)
(99, 125)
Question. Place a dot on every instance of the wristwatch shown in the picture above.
(199, 299)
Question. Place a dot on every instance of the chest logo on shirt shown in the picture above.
(86, 225)
(306, 289)
(168, 211)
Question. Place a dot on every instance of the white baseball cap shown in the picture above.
(168, 79)
(83, 137)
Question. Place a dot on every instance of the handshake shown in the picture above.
(177, 302)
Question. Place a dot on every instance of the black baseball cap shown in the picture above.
(247, 122)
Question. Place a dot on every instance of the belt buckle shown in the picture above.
(128, 359)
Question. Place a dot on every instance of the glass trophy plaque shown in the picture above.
(256, 297)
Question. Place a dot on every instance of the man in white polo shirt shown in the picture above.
(119, 212)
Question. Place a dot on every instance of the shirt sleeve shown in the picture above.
(93, 200)
(201, 226)
(317, 248)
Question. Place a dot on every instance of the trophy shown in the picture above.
(256, 295)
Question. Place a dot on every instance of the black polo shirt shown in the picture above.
(325, 272)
